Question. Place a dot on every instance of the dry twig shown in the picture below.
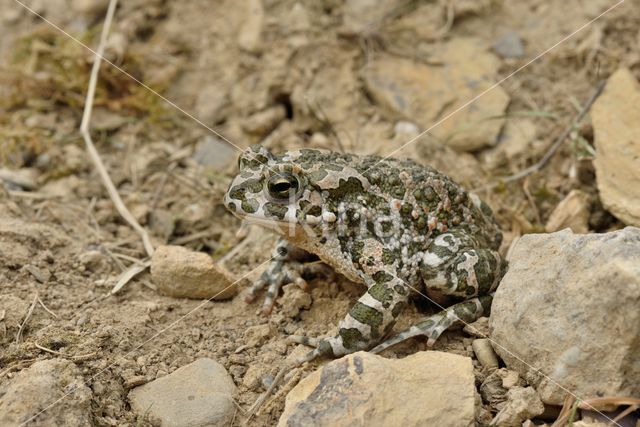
(57, 353)
(26, 318)
(86, 134)
(554, 147)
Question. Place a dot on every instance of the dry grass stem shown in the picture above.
(86, 134)
(26, 319)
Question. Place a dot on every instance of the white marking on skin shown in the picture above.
(290, 216)
(312, 220)
(328, 216)
(441, 241)
(432, 260)
(395, 204)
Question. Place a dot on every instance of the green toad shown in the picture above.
(393, 225)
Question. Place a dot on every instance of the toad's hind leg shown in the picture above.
(453, 266)
(433, 326)
(370, 319)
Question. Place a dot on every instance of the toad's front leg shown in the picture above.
(288, 265)
(368, 321)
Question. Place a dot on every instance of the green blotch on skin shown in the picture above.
(276, 210)
(318, 175)
(249, 206)
(397, 309)
(351, 186)
(351, 338)
(381, 293)
(367, 315)
(382, 277)
(388, 256)
(400, 289)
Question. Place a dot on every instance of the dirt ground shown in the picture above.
(289, 75)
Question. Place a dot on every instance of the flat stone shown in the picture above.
(44, 385)
(509, 45)
(568, 308)
(198, 394)
(362, 388)
(214, 153)
(616, 124)
(572, 212)
(250, 33)
(427, 94)
(182, 273)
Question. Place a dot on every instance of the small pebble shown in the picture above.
(509, 45)
(484, 352)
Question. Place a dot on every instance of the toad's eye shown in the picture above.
(283, 186)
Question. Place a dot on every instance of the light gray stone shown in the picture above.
(55, 386)
(509, 45)
(566, 313)
(214, 153)
(428, 388)
(198, 394)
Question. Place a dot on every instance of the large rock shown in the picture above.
(426, 94)
(428, 388)
(54, 386)
(566, 313)
(616, 123)
(198, 394)
(182, 273)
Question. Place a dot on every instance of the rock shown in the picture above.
(568, 308)
(427, 94)
(509, 45)
(616, 123)
(255, 336)
(214, 153)
(361, 387)
(492, 390)
(516, 140)
(406, 129)
(198, 394)
(181, 273)
(105, 120)
(479, 328)
(363, 15)
(572, 212)
(484, 353)
(211, 103)
(522, 403)
(510, 380)
(21, 179)
(249, 35)
(92, 260)
(263, 122)
(44, 385)
(293, 300)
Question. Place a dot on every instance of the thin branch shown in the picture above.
(26, 319)
(57, 353)
(46, 308)
(85, 131)
(554, 147)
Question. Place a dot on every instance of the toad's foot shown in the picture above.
(288, 265)
(433, 326)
